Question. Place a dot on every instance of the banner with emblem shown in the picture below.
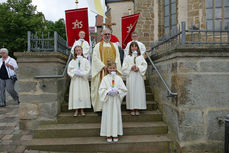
(128, 26)
(76, 21)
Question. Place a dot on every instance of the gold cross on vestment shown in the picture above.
(109, 24)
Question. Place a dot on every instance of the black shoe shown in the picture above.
(99, 113)
(18, 102)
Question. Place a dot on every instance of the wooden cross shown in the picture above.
(109, 24)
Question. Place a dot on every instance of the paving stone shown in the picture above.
(12, 124)
(3, 124)
(2, 127)
(10, 134)
(1, 136)
(7, 137)
(7, 131)
(32, 151)
(20, 149)
(26, 137)
(7, 142)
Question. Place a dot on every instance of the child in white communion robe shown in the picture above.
(112, 90)
(79, 91)
(134, 67)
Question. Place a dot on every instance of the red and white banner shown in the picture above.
(76, 21)
(128, 26)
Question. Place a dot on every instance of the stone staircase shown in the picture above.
(146, 133)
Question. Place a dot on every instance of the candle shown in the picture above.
(113, 83)
(79, 64)
(134, 59)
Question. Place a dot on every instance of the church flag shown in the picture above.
(76, 21)
(128, 26)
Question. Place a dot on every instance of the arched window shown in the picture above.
(217, 14)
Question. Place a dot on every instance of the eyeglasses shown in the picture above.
(107, 34)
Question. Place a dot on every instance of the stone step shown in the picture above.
(149, 97)
(127, 144)
(91, 117)
(148, 89)
(150, 106)
(93, 129)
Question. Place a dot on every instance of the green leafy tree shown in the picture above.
(16, 18)
(58, 26)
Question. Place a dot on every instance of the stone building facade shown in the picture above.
(155, 15)
(198, 73)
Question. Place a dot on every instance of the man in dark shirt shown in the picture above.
(8, 77)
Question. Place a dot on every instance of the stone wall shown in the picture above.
(40, 98)
(145, 25)
(200, 76)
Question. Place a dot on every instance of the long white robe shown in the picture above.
(85, 47)
(111, 124)
(136, 97)
(97, 66)
(79, 91)
(140, 44)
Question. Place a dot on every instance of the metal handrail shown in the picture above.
(170, 93)
(56, 76)
(202, 36)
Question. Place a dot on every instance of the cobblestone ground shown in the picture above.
(12, 139)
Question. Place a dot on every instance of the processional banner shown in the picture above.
(76, 21)
(128, 26)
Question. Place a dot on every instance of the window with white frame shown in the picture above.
(170, 13)
(217, 14)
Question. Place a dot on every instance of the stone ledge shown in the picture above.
(28, 57)
(188, 50)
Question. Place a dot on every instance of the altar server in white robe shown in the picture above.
(134, 68)
(104, 52)
(134, 37)
(79, 92)
(83, 43)
(112, 91)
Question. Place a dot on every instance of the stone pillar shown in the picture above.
(40, 98)
(200, 76)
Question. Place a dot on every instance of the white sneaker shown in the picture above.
(132, 113)
(115, 139)
(109, 140)
(137, 113)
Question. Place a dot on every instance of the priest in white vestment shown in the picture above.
(134, 37)
(112, 91)
(83, 43)
(134, 68)
(103, 52)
